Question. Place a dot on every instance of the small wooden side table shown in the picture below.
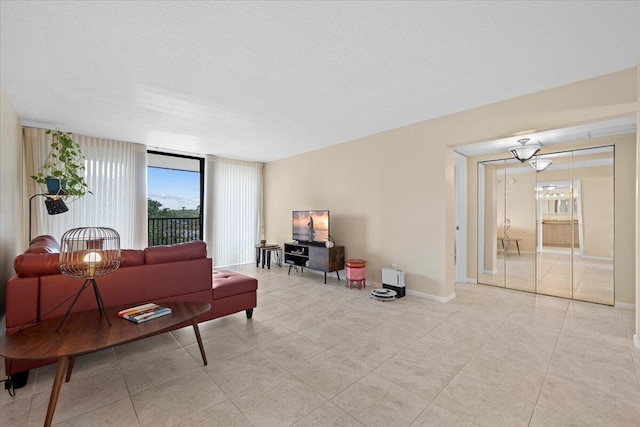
(263, 253)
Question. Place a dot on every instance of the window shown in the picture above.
(175, 196)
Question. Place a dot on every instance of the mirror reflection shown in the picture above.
(549, 228)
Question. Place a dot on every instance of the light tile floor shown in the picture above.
(592, 279)
(327, 355)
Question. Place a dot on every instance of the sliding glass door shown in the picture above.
(175, 198)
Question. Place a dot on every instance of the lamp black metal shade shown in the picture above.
(55, 206)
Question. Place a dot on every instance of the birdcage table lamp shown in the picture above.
(87, 253)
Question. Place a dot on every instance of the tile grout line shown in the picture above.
(126, 385)
(546, 374)
(460, 370)
(204, 370)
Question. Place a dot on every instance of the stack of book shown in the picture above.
(144, 312)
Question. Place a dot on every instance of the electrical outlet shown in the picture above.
(394, 266)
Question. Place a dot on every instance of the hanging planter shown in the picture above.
(61, 171)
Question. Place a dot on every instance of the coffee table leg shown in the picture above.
(72, 359)
(197, 331)
(55, 390)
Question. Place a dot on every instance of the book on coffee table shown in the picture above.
(144, 312)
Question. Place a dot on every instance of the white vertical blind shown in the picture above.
(233, 210)
(115, 172)
(208, 224)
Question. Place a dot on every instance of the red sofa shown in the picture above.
(37, 291)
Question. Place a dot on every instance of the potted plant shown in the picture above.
(62, 168)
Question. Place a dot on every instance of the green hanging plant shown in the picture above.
(62, 171)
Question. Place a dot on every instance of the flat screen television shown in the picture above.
(311, 226)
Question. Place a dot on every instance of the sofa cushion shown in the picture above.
(131, 257)
(36, 264)
(228, 283)
(171, 279)
(180, 252)
(43, 245)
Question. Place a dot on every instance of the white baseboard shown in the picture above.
(624, 305)
(431, 296)
(469, 281)
(636, 340)
(491, 272)
(597, 258)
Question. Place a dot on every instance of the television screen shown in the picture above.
(311, 226)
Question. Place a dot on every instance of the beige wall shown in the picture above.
(636, 182)
(625, 178)
(591, 180)
(11, 207)
(391, 194)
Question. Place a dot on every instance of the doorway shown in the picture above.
(549, 230)
(460, 243)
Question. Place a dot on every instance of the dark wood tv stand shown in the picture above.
(314, 257)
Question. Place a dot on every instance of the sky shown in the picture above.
(174, 188)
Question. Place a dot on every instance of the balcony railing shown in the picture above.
(169, 231)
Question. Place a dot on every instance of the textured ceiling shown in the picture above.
(267, 80)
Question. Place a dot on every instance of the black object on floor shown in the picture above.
(19, 379)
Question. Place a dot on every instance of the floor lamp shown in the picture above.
(86, 253)
(55, 205)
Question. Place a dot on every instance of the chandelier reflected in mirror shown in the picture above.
(540, 164)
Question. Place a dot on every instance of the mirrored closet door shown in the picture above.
(520, 230)
(556, 218)
(546, 226)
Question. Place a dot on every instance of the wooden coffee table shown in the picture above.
(87, 332)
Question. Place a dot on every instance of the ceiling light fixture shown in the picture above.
(541, 164)
(524, 152)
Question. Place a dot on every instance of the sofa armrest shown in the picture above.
(35, 265)
(22, 300)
